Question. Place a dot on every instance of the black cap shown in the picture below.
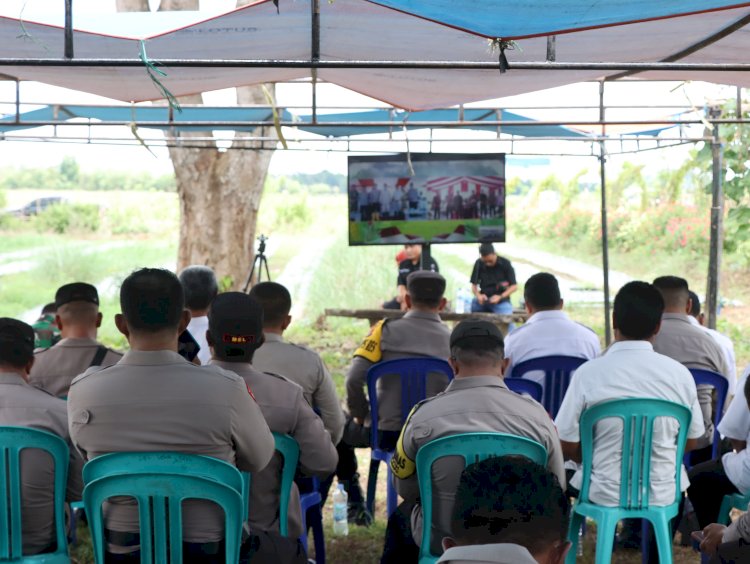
(425, 285)
(76, 292)
(236, 320)
(474, 333)
(16, 341)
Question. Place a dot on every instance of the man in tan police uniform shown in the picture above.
(235, 332)
(78, 318)
(26, 406)
(301, 365)
(155, 400)
(477, 400)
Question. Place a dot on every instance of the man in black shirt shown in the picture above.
(410, 264)
(493, 280)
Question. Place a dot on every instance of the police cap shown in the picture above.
(235, 321)
(16, 341)
(425, 285)
(475, 333)
(76, 292)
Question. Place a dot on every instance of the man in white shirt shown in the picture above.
(697, 319)
(200, 287)
(548, 330)
(630, 369)
(508, 510)
(729, 474)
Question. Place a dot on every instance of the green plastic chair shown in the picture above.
(159, 492)
(637, 415)
(732, 501)
(196, 465)
(289, 449)
(12, 441)
(474, 447)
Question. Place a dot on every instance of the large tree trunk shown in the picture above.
(219, 191)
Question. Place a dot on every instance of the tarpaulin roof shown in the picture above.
(209, 116)
(361, 30)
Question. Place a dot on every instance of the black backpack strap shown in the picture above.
(101, 352)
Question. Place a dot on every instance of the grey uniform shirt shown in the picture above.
(416, 334)
(738, 529)
(694, 348)
(500, 553)
(158, 401)
(26, 406)
(54, 368)
(304, 367)
(469, 405)
(286, 411)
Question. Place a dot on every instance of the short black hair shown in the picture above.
(637, 310)
(486, 249)
(152, 299)
(695, 306)
(16, 342)
(276, 301)
(674, 290)
(200, 286)
(49, 308)
(510, 499)
(542, 291)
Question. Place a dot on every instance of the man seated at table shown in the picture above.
(548, 330)
(477, 400)
(630, 369)
(493, 280)
(412, 262)
(508, 510)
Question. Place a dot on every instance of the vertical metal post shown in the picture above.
(717, 229)
(18, 100)
(315, 54)
(424, 259)
(68, 29)
(605, 236)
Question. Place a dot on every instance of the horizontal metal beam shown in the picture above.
(362, 64)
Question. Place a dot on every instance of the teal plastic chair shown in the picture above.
(289, 449)
(12, 441)
(732, 501)
(196, 465)
(474, 447)
(159, 491)
(637, 416)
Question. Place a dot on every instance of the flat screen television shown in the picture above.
(449, 198)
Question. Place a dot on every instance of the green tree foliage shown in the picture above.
(570, 190)
(69, 171)
(630, 175)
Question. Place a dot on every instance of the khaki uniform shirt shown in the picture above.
(694, 348)
(304, 367)
(54, 368)
(286, 411)
(469, 405)
(416, 334)
(158, 401)
(26, 406)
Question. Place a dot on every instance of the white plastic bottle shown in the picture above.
(340, 523)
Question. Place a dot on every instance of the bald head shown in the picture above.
(675, 292)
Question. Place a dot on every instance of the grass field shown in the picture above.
(343, 276)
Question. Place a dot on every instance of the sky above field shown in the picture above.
(97, 156)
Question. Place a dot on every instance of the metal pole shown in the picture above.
(68, 29)
(605, 237)
(717, 229)
(315, 55)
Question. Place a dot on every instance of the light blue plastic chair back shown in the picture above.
(289, 449)
(638, 416)
(721, 385)
(558, 371)
(524, 386)
(171, 462)
(13, 440)
(160, 496)
(473, 447)
(729, 502)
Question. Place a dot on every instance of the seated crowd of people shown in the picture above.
(223, 391)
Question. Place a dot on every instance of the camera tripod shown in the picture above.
(260, 262)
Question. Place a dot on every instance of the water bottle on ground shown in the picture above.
(340, 523)
(460, 306)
